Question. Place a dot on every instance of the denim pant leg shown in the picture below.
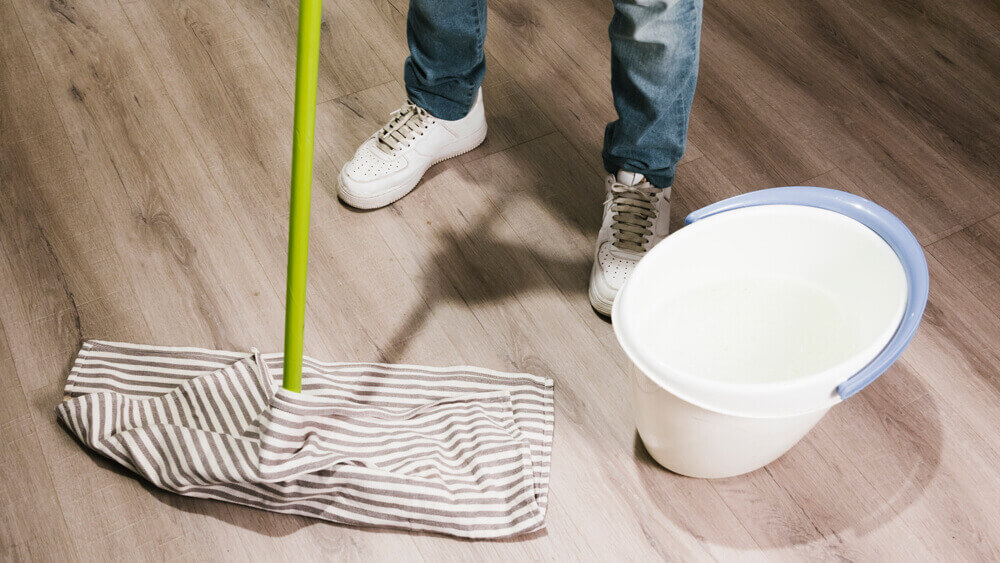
(654, 68)
(446, 63)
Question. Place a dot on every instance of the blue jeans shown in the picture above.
(654, 68)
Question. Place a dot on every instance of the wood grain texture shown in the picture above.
(144, 155)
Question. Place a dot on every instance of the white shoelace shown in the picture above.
(406, 124)
(634, 211)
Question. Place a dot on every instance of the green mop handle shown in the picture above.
(306, 70)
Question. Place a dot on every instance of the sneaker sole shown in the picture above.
(393, 195)
(600, 304)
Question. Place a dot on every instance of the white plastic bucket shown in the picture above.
(750, 323)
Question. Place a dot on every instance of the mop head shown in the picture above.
(460, 451)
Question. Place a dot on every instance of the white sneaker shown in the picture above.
(391, 162)
(636, 217)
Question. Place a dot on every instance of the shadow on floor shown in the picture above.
(474, 266)
(806, 496)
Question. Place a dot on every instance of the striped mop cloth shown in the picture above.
(461, 451)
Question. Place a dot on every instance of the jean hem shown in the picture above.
(659, 179)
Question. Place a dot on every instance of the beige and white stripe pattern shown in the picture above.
(461, 451)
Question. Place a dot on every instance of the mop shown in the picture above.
(461, 451)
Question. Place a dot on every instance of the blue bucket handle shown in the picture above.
(876, 218)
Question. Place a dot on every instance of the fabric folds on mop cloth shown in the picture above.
(461, 451)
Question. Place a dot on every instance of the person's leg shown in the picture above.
(444, 115)
(446, 63)
(654, 68)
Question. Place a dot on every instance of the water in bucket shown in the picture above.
(750, 330)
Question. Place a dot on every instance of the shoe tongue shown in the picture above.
(630, 178)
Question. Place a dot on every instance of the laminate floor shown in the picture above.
(144, 161)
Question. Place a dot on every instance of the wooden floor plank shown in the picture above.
(57, 253)
(348, 62)
(32, 522)
(153, 189)
(924, 61)
(973, 256)
(843, 117)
